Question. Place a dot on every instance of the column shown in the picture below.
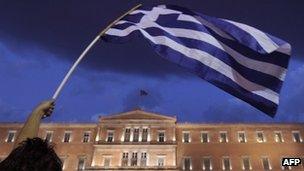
(140, 134)
(131, 134)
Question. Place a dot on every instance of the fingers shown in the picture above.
(46, 105)
(46, 108)
(48, 112)
(50, 108)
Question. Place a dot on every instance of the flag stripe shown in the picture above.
(267, 68)
(234, 32)
(213, 76)
(266, 80)
(235, 57)
(207, 60)
(276, 59)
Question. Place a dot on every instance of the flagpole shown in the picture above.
(67, 76)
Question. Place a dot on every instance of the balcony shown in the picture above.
(131, 168)
(103, 142)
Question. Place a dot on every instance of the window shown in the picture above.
(296, 136)
(223, 137)
(134, 159)
(136, 135)
(186, 137)
(161, 136)
(207, 164)
(110, 136)
(246, 163)
(160, 161)
(67, 136)
(266, 164)
(260, 136)
(144, 135)
(285, 167)
(107, 161)
(242, 137)
(204, 137)
(81, 163)
(278, 136)
(125, 159)
(86, 137)
(127, 135)
(187, 164)
(49, 136)
(11, 136)
(226, 165)
(62, 159)
(143, 159)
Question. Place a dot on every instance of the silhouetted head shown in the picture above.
(32, 155)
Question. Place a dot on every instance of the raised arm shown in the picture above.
(31, 127)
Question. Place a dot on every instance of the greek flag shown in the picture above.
(237, 58)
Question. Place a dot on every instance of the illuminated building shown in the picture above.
(139, 140)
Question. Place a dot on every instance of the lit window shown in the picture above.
(134, 159)
(136, 135)
(86, 137)
(204, 137)
(143, 159)
(110, 136)
(81, 163)
(62, 159)
(186, 137)
(226, 164)
(161, 136)
(11, 136)
(107, 161)
(49, 136)
(67, 136)
(125, 159)
(260, 136)
(242, 137)
(127, 134)
(187, 164)
(296, 136)
(266, 163)
(278, 136)
(207, 164)
(223, 137)
(246, 163)
(160, 161)
(144, 135)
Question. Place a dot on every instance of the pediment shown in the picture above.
(138, 115)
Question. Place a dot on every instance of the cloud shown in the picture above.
(10, 113)
(65, 31)
(294, 105)
(14, 62)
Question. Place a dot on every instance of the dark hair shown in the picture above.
(32, 155)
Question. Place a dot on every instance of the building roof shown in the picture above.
(137, 114)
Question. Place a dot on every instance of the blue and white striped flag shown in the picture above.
(241, 60)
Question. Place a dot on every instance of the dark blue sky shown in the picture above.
(39, 40)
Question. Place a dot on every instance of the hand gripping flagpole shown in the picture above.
(67, 76)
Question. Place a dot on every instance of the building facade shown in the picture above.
(139, 140)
